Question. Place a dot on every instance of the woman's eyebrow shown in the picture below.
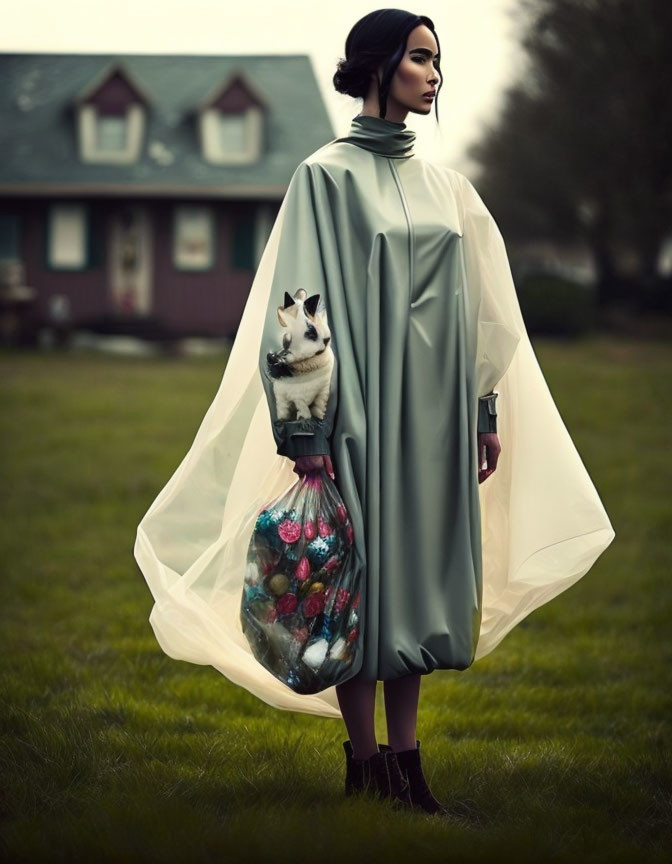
(424, 51)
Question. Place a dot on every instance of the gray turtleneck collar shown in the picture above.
(381, 136)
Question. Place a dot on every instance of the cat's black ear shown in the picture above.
(311, 304)
(289, 300)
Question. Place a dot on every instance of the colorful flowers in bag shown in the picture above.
(299, 609)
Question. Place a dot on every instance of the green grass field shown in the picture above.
(555, 746)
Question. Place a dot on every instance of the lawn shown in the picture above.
(555, 746)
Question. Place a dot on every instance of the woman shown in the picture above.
(392, 61)
(423, 324)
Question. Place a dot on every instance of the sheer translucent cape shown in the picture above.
(543, 524)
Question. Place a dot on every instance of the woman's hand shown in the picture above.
(490, 442)
(304, 464)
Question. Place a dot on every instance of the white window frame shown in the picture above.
(88, 137)
(57, 235)
(181, 214)
(211, 139)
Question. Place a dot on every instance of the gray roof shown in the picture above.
(38, 144)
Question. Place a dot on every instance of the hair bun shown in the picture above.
(351, 79)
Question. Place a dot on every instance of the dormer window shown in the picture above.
(231, 123)
(110, 139)
(111, 119)
(232, 133)
(111, 133)
(231, 139)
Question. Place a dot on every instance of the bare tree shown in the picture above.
(582, 147)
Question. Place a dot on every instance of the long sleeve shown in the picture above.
(499, 320)
(297, 358)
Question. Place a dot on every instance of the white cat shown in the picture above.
(301, 370)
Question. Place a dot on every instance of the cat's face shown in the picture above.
(306, 329)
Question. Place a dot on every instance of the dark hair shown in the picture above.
(378, 38)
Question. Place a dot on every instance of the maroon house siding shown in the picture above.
(208, 303)
(86, 289)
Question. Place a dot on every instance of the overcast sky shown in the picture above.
(479, 47)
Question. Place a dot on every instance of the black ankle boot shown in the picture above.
(411, 769)
(356, 776)
(379, 776)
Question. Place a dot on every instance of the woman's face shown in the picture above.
(416, 74)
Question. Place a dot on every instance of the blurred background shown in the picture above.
(139, 179)
(145, 148)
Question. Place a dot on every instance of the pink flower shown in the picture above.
(325, 528)
(341, 599)
(352, 635)
(356, 601)
(309, 531)
(302, 571)
(289, 531)
(286, 603)
(342, 512)
(332, 563)
(300, 634)
(272, 615)
(313, 604)
(349, 533)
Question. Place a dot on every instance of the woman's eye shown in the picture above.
(422, 60)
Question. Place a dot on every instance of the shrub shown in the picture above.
(556, 305)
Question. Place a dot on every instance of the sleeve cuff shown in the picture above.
(302, 438)
(487, 413)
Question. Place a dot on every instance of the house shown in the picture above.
(137, 192)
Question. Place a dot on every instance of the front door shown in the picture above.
(130, 260)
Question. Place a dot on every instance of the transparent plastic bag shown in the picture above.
(300, 606)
